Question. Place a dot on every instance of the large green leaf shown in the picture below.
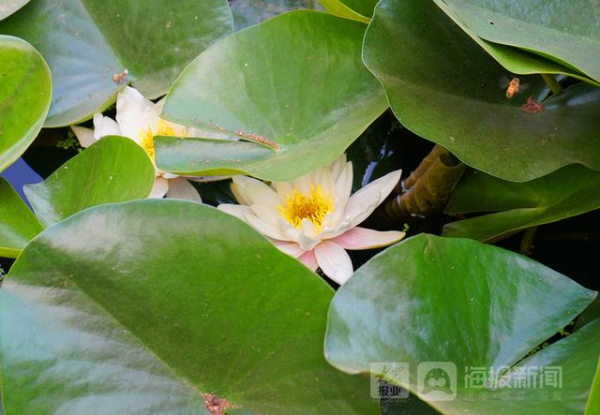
(17, 223)
(295, 82)
(8, 7)
(593, 406)
(513, 59)
(114, 169)
(139, 308)
(25, 91)
(86, 42)
(565, 31)
(568, 192)
(445, 88)
(432, 299)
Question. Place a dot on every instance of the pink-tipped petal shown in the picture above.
(334, 261)
(309, 260)
(363, 238)
(290, 248)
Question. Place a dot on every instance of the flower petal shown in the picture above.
(84, 135)
(309, 260)
(180, 188)
(363, 238)
(104, 126)
(334, 261)
(362, 203)
(254, 191)
(290, 248)
(343, 185)
(161, 187)
(265, 228)
(337, 166)
(238, 211)
(131, 113)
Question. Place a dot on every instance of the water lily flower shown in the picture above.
(315, 218)
(139, 119)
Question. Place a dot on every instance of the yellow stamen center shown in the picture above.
(313, 207)
(147, 136)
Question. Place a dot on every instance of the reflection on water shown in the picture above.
(20, 174)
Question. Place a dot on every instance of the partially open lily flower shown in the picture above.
(138, 119)
(314, 218)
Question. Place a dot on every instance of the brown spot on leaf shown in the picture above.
(215, 405)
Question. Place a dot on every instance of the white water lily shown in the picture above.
(139, 119)
(314, 218)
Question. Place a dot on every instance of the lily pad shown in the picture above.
(515, 60)
(8, 7)
(568, 192)
(17, 223)
(300, 109)
(442, 86)
(89, 44)
(566, 32)
(114, 169)
(25, 92)
(143, 308)
(456, 304)
(593, 406)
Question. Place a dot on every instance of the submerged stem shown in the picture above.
(426, 191)
(552, 83)
(527, 241)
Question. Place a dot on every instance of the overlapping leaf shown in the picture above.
(17, 223)
(305, 106)
(25, 90)
(563, 194)
(87, 42)
(338, 8)
(115, 169)
(445, 88)
(250, 12)
(432, 299)
(515, 60)
(566, 32)
(140, 306)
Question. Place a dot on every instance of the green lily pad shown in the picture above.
(8, 7)
(87, 42)
(250, 12)
(307, 104)
(568, 192)
(442, 86)
(593, 406)
(458, 305)
(17, 223)
(114, 169)
(25, 92)
(338, 8)
(566, 32)
(143, 308)
(515, 60)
